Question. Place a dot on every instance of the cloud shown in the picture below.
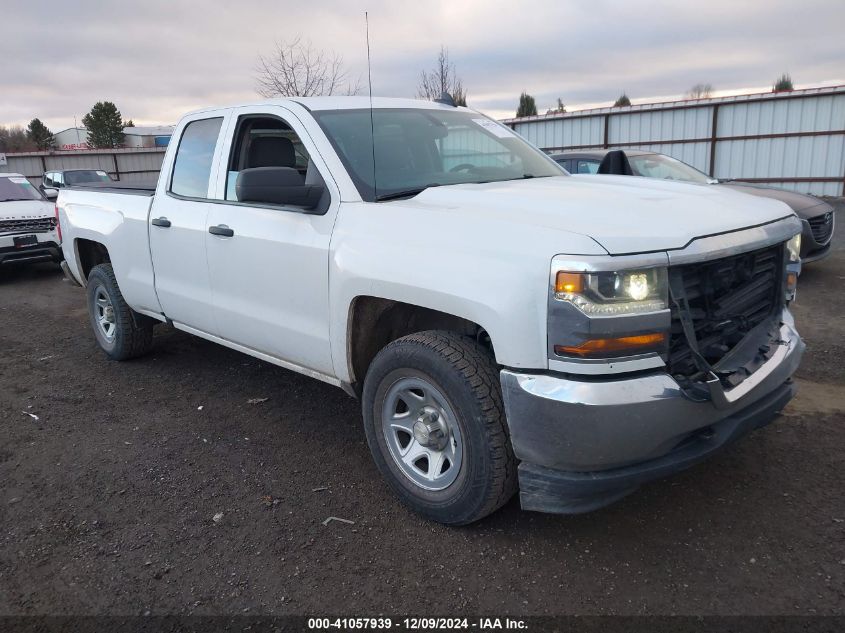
(161, 58)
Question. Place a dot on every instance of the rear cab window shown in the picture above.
(194, 158)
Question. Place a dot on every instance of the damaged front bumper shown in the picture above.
(586, 442)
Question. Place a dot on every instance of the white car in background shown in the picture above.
(29, 230)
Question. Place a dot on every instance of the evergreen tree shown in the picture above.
(39, 135)
(783, 84)
(105, 126)
(527, 106)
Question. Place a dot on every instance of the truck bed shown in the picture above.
(115, 215)
(129, 188)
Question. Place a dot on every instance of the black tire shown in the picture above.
(466, 375)
(133, 333)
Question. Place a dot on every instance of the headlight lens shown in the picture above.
(793, 247)
(793, 267)
(614, 293)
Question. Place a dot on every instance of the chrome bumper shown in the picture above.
(584, 425)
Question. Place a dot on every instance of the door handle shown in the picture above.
(221, 230)
(162, 222)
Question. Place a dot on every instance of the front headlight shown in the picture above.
(614, 293)
(793, 267)
(793, 248)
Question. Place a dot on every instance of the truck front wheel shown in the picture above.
(120, 332)
(435, 425)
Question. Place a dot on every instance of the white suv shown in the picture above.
(29, 230)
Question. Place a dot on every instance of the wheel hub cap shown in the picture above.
(430, 431)
(421, 432)
(104, 313)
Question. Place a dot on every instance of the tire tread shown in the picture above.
(135, 340)
(477, 366)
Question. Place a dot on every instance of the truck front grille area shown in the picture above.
(822, 227)
(727, 298)
(28, 225)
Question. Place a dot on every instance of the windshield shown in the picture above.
(17, 188)
(420, 148)
(86, 175)
(666, 167)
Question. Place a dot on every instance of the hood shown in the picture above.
(804, 205)
(26, 210)
(623, 214)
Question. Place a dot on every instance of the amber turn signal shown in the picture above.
(569, 283)
(602, 347)
(791, 281)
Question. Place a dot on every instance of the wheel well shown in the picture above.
(376, 322)
(91, 253)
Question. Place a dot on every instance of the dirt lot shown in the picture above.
(107, 499)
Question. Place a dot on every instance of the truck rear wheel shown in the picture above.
(121, 332)
(435, 425)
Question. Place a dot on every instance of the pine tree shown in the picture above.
(783, 84)
(39, 135)
(105, 126)
(527, 106)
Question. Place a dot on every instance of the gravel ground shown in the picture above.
(162, 486)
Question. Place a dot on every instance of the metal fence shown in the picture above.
(128, 165)
(794, 140)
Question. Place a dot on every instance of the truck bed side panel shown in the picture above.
(119, 221)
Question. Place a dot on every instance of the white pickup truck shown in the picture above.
(504, 324)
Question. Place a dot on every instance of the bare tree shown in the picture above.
(297, 69)
(700, 91)
(14, 139)
(442, 79)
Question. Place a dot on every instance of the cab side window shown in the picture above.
(262, 141)
(192, 166)
(47, 180)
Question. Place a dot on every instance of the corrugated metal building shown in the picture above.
(75, 138)
(794, 140)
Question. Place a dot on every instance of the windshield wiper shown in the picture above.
(407, 193)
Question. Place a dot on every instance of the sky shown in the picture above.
(158, 59)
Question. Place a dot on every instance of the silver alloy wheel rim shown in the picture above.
(422, 433)
(104, 311)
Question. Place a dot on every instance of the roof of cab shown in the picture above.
(340, 103)
(7, 174)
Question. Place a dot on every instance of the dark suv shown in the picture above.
(816, 215)
(53, 180)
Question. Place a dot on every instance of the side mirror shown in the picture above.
(276, 185)
(50, 193)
